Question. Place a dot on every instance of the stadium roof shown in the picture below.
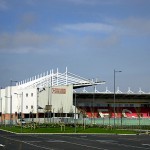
(118, 96)
(56, 79)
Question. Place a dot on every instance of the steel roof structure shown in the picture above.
(51, 78)
(111, 96)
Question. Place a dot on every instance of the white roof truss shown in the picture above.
(57, 79)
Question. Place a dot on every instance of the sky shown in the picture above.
(89, 37)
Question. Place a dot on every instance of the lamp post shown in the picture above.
(93, 115)
(115, 71)
(1, 111)
(75, 113)
(1, 105)
(49, 102)
(21, 108)
(37, 115)
(11, 82)
(38, 107)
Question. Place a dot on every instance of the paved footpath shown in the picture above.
(10, 141)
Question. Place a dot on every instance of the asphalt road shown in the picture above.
(9, 141)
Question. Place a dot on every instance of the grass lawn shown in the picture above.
(17, 129)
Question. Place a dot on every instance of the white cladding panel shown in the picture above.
(24, 100)
(29, 101)
(2, 101)
(6, 99)
(59, 97)
(63, 102)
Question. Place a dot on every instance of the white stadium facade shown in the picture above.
(52, 95)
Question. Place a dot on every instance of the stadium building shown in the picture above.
(52, 96)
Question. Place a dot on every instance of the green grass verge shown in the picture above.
(17, 129)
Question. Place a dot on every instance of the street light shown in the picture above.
(75, 113)
(1, 105)
(38, 107)
(115, 71)
(11, 82)
(1, 111)
(21, 108)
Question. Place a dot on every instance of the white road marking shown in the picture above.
(146, 144)
(88, 146)
(137, 147)
(58, 141)
(33, 141)
(78, 144)
(83, 136)
(41, 147)
(36, 145)
(108, 141)
(104, 141)
(2, 145)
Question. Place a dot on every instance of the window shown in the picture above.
(31, 94)
(131, 105)
(26, 107)
(26, 94)
(31, 106)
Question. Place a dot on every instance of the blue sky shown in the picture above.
(90, 37)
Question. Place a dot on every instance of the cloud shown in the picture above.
(29, 42)
(86, 27)
(3, 5)
(89, 2)
(101, 44)
(27, 20)
(22, 42)
(94, 2)
(133, 26)
(96, 36)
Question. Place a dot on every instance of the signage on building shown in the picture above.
(58, 91)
